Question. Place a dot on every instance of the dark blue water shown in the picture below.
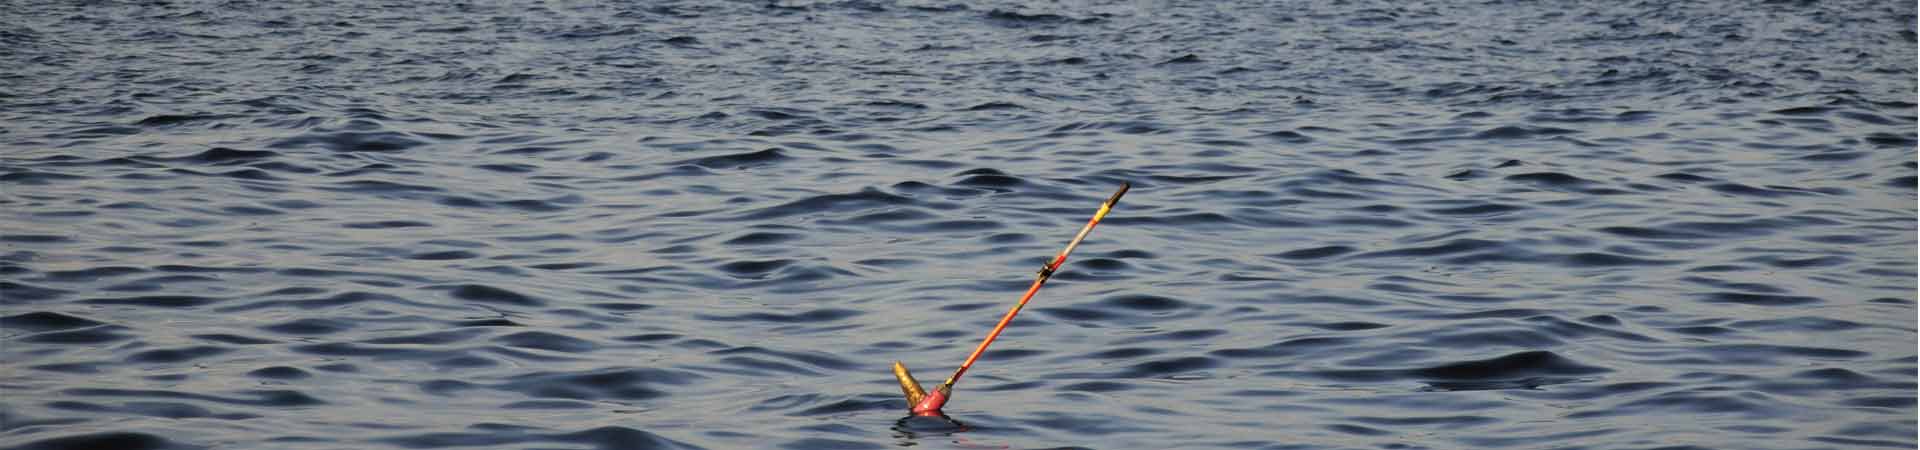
(1359, 224)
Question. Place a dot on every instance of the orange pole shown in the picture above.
(932, 401)
(997, 328)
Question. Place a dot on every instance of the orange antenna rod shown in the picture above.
(930, 402)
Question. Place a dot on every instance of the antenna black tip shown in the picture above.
(1116, 194)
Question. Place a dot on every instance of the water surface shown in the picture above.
(1365, 224)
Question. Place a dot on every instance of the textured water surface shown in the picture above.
(1362, 224)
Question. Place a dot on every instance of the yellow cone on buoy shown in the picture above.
(908, 385)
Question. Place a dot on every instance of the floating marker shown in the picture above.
(928, 403)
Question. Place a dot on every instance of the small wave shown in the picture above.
(740, 160)
(123, 440)
(490, 294)
(864, 199)
(1017, 19)
(352, 141)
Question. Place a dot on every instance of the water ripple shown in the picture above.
(714, 225)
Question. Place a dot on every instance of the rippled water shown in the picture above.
(1361, 224)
